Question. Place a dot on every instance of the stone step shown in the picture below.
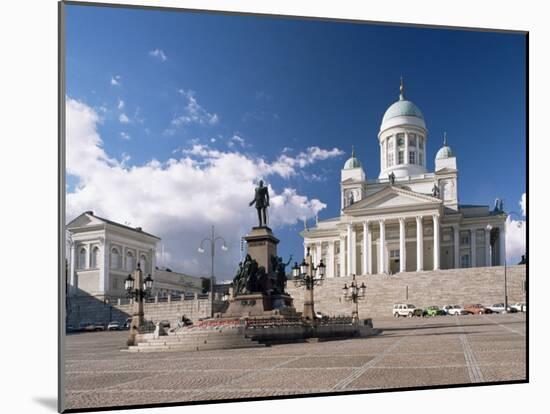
(156, 342)
(189, 347)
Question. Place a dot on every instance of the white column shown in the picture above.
(402, 246)
(88, 255)
(456, 235)
(419, 244)
(353, 250)
(103, 266)
(154, 262)
(369, 250)
(72, 268)
(473, 247)
(305, 249)
(349, 250)
(381, 247)
(502, 244)
(366, 256)
(488, 247)
(330, 264)
(406, 152)
(436, 241)
(342, 256)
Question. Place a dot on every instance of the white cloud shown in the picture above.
(120, 104)
(287, 165)
(516, 235)
(236, 140)
(159, 53)
(125, 136)
(194, 113)
(115, 80)
(123, 118)
(176, 199)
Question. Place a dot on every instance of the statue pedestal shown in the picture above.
(259, 305)
(261, 245)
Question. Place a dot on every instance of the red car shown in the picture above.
(477, 309)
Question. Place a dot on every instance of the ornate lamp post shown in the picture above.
(353, 293)
(306, 274)
(212, 240)
(139, 290)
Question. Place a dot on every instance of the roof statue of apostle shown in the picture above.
(261, 201)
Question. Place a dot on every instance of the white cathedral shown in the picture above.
(407, 219)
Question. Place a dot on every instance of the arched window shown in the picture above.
(95, 257)
(143, 262)
(115, 258)
(130, 265)
(82, 258)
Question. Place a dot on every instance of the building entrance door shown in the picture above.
(394, 261)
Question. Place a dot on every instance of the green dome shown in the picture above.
(402, 108)
(352, 163)
(444, 152)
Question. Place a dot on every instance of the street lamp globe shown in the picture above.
(363, 288)
(321, 270)
(224, 247)
(200, 250)
(345, 289)
(129, 283)
(148, 283)
(295, 270)
(303, 267)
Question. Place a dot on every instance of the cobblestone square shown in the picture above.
(410, 352)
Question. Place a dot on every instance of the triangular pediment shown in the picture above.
(393, 198)
(446, 170)
(84, 220)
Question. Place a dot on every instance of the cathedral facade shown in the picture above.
(407, 219)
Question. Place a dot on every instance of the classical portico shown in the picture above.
(407, 219)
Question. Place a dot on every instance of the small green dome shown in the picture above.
(445, 151)
(352, 163)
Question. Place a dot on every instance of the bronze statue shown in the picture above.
(261, 199)
(391, 178)
(278, 268)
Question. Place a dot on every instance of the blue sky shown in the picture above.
(282, 86)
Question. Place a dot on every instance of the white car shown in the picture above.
(454, 310)
(113, 326)
(499, 308)
(403, 309)
(520, 306)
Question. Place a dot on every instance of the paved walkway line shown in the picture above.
(474, 371)
(505, 327)
(357, 372)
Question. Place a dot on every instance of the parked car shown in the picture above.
(86, 326)
(499, 308)
(321, 316)
(433, 311)
(113, 326)
(520, 306)
(454, 310)
(165, 324)
(477, 308)
(99, 326)
(403, 309)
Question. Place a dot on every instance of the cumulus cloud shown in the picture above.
(115, 80)
(516, 234)
(287, 165)
(177, 199)
(159, 53)
(236, 140)
(123, 118)
(125, 136)
(120, 104)
(193, 112)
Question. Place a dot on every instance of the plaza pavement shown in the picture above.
(410, 352)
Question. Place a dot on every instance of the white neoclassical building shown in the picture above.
(407, 219)
(102, 253)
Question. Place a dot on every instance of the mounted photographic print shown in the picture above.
(258, 207)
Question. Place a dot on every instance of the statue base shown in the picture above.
(261, 244)
(259, 305)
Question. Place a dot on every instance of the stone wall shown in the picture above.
(90, 309)
(454, 286)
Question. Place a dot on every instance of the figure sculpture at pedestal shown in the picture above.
(261, 201)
